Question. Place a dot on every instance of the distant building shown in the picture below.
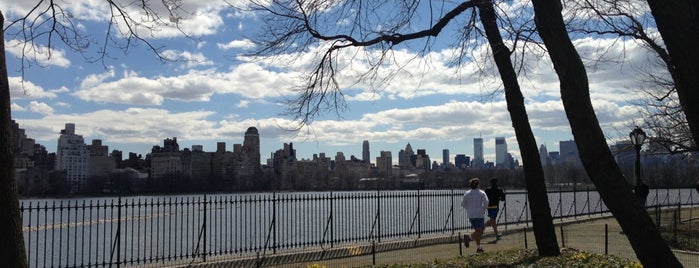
(405, 158)
(478, 160)
(445, 157)
(73, 156)
(422, 160)
(500, 151)
(366, 155)
(101, 163)
(462, 161)
(544, 156)
(384, 164)
(569, 153)
(166, 160)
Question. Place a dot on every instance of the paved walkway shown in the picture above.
(584, 233)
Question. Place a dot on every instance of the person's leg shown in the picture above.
(492, 218)
(478, 227)
(495, 229)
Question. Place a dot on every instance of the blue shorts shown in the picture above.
(493, 212)
(477, 223)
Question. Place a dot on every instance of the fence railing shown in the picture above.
(149, 230)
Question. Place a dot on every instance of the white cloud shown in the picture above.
(247, 80)
(189, 59)
(40, 54)
(17, 108)
(243, 104)
(27, 90)
(242, 44)
(40, 108)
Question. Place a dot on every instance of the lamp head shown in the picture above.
(637, 136)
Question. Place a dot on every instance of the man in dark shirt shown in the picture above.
(495, 195)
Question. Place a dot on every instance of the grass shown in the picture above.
(682, 237)
(524, 258)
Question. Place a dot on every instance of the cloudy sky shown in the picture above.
(212, 93)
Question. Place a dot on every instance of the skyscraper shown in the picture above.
(500, 151)
(445, 157)
(478, 160)
(365, 152)
(73, 156)
(384, 164)
(251, 146)
(543, 155)
(569, 152)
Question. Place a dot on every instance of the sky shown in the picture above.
(212, 93)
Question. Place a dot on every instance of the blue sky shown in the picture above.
(213, 94)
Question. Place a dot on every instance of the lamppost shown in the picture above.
(637, 137)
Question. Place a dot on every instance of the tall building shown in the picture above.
(500, 151)
(366, 156)
(406, 158)
(462, 161)
(166, 160)
(422, 160)
(251, 145)
(544, 155)
(384, 164)
(73, 156)
(569, 152)
(101, 163)
(478, 161)
(445, 157)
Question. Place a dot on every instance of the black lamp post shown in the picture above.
(637, 137)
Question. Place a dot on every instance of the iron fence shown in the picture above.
(128, 231)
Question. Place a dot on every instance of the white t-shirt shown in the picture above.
(475, 202)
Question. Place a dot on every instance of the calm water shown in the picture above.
(143, 229)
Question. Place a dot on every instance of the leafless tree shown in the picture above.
(295, 26)
(651, 249)
(49, 24)
(664, 114)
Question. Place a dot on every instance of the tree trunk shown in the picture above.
(544, 231)
(597, 159)
(678, 24)
(12, 251)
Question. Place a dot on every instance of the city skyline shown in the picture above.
(212, 92)
(434, 156)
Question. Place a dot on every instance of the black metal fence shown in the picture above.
(119, 231)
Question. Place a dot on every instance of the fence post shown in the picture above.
(378, 215)
(589, 203)
(526, 212)
(461, 252)
(606, 239)
(373, 252)
(419, 230)
(563, 239)
(274, 222)
(119, 232)
(204, 228)
(675, 218)
(452, 210)
(332, 221)
(526, 246)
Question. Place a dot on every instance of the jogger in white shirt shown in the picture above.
(475, 202)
